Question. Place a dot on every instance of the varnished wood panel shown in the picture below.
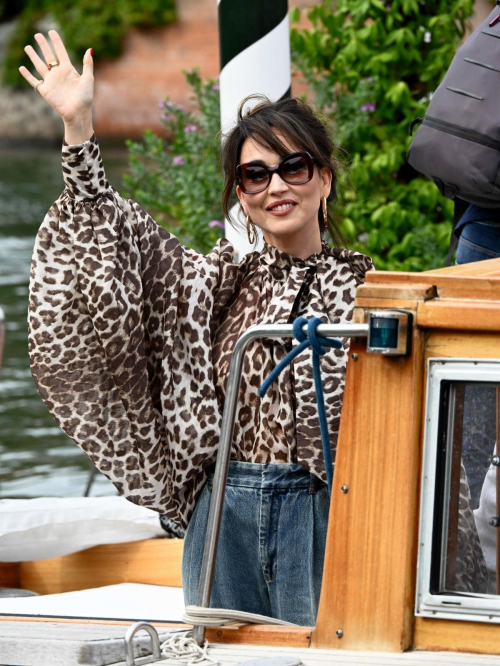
(385, 304)
(459, 315)
(450, 344)
(299, 637)
(487, 267)
(80, 620)
(457, 636)
(153, 561)
(9, 574)
(369, 576)
(446, 286)
(412, 292)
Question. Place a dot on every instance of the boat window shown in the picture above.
(459, 558)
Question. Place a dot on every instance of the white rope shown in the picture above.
(181, 648)
(220, 617)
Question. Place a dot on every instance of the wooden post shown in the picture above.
(368, 588)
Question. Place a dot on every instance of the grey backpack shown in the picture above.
(457, 144)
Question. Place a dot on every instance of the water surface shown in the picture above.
(36, 457)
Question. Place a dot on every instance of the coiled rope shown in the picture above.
(319, 347)
(220, 617)
(181, 648)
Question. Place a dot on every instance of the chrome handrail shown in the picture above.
(269, 331)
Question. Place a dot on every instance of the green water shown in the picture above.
(36, 457)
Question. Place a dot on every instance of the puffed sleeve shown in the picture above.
(119, 338)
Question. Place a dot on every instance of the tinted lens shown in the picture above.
(296, 169)
(254, 178)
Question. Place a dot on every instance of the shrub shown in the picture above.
(372, 66)
(177, 178)
(83, 24)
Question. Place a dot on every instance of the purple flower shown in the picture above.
(161, 105)
(216, 86)
(168, 103)
(167, 118)
(369, 106)
(178, 160)
(191, 128)
(216, 223)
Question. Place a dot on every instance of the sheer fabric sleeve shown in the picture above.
(119, 338)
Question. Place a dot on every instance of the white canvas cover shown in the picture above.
(37, 529)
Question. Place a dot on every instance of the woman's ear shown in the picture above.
(326, 181)
(240, 196)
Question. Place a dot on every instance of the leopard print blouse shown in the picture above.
(131, 337)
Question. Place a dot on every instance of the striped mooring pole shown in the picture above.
(254, 39)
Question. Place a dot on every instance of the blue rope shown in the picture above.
(319, 347)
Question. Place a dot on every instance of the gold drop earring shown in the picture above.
(251, 233)
(325, 210)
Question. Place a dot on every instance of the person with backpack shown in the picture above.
(457, 144)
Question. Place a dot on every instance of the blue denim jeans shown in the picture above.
(478, 241)
(271, 545)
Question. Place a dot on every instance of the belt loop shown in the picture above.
(313, 484)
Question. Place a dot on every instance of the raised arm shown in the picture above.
(68, 92)
(120, 318)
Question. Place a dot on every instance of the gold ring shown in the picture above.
(36, 87)
(52, 64)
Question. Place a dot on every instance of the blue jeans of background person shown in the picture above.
(271, 545)
(478, 241)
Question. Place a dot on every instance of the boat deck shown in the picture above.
(62, 644)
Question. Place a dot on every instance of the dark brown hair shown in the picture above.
(291, 118)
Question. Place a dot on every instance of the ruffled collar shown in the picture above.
(272, 257)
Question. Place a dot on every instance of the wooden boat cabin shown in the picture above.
(413, 551)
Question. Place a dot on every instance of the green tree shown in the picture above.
(82, 23)
(177, 178)
(372, 66)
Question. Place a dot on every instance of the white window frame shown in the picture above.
(459, 606)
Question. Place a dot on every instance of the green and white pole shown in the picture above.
(254, 39)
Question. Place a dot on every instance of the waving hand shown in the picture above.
(68, 92)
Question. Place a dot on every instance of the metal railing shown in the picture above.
(268, 331)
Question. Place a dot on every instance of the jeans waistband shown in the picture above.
(271, 476)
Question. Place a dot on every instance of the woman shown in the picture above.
(131, 336)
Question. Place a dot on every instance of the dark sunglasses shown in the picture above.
(294, 169)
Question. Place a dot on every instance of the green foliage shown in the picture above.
(177, 179)
(372, 66)
(83, 24)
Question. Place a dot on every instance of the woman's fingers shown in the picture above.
(28, 76)
(59, 48)
(39, 64)
(88, 64)
(45, 47)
